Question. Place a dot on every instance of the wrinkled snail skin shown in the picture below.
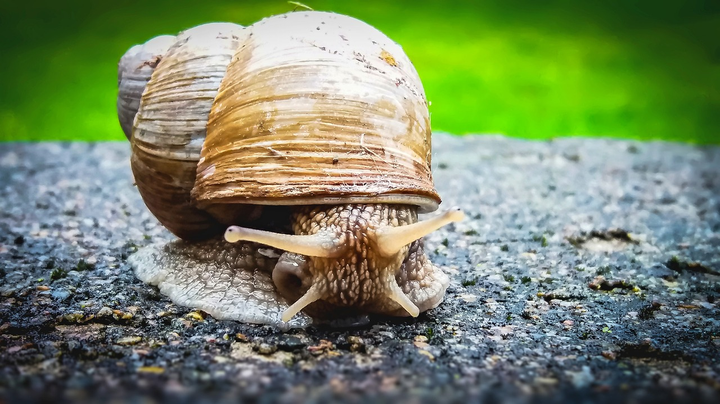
(227, 281)
(306, 133)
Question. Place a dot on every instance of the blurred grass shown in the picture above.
(535, 69)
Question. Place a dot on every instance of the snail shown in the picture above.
(291, 158)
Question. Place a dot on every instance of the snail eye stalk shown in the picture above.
(390, 239)
(323, 244)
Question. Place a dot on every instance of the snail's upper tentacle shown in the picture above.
(323, 244)
(390, 239)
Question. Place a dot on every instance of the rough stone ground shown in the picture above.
(587, 270)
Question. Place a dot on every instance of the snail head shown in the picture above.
(362, 257)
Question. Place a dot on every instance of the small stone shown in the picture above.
(468, 298)
(600, 283)
(421, 341)
(322, 347)
(104, 312)
(357, 344)
(547, 381)
(121, 315)
(610, 355)
(129, 340)
(195, 315)
(75, 317)
(266, 349)
(60, 294)
(18, 348)
(421, 345)
(290, 343)
(43, 288)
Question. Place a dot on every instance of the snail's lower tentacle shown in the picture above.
(313, 294)
(420, 280)
(396, 294)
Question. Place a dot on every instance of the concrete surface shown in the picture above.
(588, 270)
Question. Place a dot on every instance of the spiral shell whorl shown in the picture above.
(170, 125)
(134, 71)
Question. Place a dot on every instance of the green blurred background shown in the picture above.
(528, 68)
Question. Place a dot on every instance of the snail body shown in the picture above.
(306, 132)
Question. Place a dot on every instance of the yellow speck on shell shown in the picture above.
(388, 58)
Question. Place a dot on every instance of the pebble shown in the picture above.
(104, 312)
(132, 340)
(357, 344)
(290, 343)
(266, 349)
(60, 294)
(194, 315)
(74, 317)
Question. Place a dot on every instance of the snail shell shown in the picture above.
(328, 111)
(313, 110)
